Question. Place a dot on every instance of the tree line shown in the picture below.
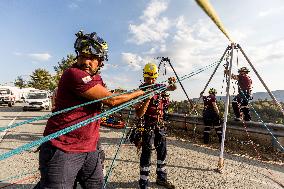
(42, 79)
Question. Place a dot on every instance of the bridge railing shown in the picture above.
(256, 130)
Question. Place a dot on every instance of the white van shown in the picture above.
(8, 95)
(37, 100)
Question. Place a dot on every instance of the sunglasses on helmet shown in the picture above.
(150, 74)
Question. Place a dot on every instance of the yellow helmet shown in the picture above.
(150, 70)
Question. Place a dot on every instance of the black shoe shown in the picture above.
(143, 184)
(143, 187)
(206, 141)
(165, 183)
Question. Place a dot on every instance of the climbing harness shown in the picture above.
(136, 133)
(142, 128)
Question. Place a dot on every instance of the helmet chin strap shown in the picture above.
(93, 71)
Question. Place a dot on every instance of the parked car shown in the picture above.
(37, 100)
(8, 95)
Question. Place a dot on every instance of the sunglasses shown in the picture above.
(150, 74)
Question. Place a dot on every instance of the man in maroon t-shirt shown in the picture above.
(241, 101)
(74, 155)
(211, 116)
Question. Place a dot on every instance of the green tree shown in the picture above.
(63, 65)
(41, 79)
(20, 82)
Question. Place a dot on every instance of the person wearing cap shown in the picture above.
(152, 111)
(211, 116)
(241, 101)
(76, 155)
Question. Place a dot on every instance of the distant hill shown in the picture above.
(279, 95)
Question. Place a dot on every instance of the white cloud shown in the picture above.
(154, 9)
(134, 61)
(267, 55)
(153, 27)
(73, 6)
(268, 12)
(40, 56)
(194, 45)
(118, 81)
(188, 47)
(35, 56)
(109, 66)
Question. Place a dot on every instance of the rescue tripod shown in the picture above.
(230, 50)
(167, 60)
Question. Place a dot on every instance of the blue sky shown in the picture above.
(37, 34)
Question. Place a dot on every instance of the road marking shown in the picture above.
(3, 133)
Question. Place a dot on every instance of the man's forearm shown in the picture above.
(143, 108)
(117, 100)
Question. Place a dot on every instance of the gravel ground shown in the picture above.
(189, 165)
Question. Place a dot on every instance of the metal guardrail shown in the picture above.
(251, 126)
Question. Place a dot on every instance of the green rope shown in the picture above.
(117, 151)
(75, 126)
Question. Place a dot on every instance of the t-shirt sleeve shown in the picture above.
(213, 99)
(81, 81)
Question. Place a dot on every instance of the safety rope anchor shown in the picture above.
(220, 168)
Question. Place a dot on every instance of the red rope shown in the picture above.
(17, 182)
(258, 155)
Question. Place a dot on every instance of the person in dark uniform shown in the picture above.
(154, 135)
(241, 101)
(211, 116)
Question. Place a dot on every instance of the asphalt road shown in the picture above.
(189, 165)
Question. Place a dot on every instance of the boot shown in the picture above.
(165, 183)
(246, 114)
(219, 137)
(206, 138)
(143, 184)
(206, 134)
(236, 109)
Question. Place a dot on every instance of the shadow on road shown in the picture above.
(215, 152)
(19, 117)
(23, 136)
(132, 184)
(205, 150)
(16, 186)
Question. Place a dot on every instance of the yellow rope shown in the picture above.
(207, 7)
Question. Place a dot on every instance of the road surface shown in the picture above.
(189, 165)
